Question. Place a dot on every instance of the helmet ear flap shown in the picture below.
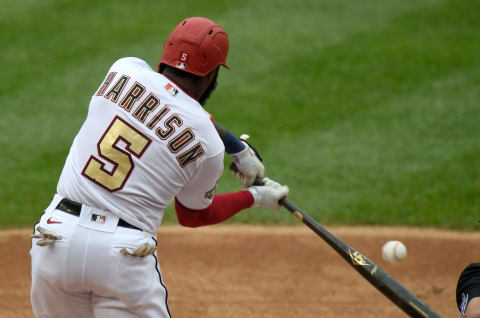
(197, 45)
(160, 67)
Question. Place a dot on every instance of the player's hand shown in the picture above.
(269, 194)
(248, 165)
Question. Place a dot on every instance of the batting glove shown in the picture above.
(268, 195)
(248, 165)
(142, 251)
(46, 238)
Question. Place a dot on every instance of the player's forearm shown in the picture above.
(223, 207)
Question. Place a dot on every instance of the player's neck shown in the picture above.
(194, 87)
(190, 86)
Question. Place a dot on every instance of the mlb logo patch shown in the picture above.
(181, 65)
(98, 218)
(171, 89)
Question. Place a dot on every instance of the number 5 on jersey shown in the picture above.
(121, 159)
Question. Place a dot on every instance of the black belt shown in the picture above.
(74, 208)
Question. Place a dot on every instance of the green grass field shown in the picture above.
(369, 110)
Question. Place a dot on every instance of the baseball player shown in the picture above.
(468, 291)
(146, 141)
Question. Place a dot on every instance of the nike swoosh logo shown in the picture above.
(49, 221)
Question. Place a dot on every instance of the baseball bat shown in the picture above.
(385, 283)
(376, 276)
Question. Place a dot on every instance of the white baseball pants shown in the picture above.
(83, 274)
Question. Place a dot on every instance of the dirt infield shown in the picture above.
(252, 271)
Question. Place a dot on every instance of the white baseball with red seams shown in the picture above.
(394, 251)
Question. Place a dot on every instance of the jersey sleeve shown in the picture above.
(198, 193)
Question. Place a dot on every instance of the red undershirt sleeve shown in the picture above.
(223, 207)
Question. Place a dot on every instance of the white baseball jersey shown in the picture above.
(144, 142)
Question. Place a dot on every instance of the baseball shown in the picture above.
(394, 251)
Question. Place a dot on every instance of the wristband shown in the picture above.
(232, 144)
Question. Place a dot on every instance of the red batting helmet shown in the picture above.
(197, 45)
